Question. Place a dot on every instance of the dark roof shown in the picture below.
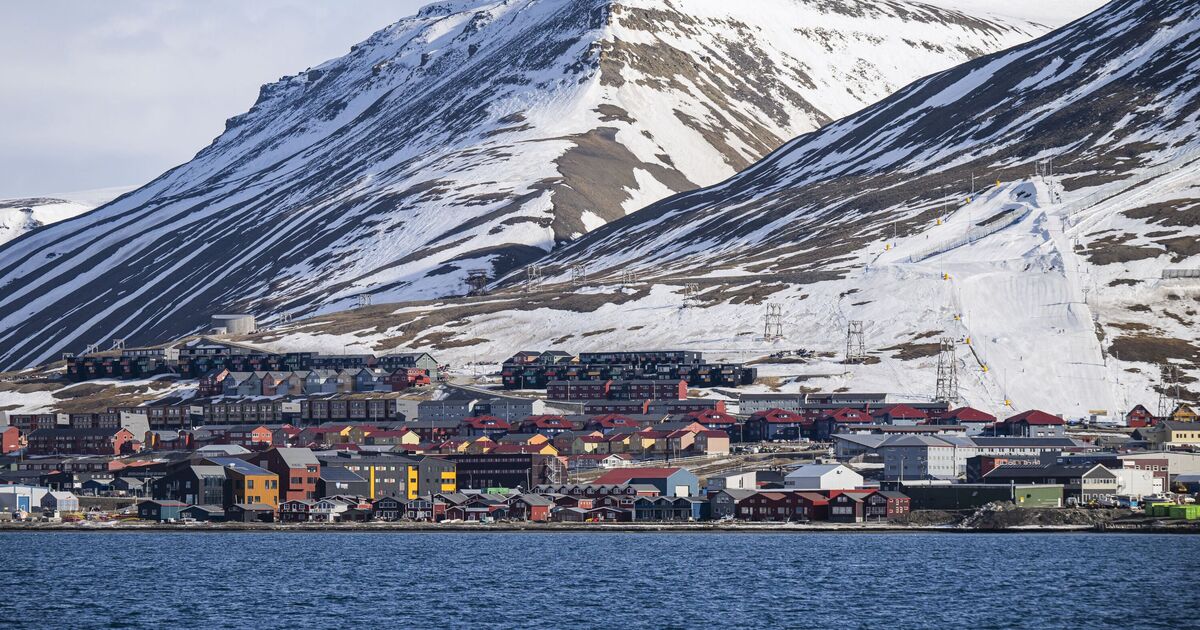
(338, 473)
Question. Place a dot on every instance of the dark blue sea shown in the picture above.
(597, 580)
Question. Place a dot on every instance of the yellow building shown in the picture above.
(1184, 413)
(1169, 433)
(247, 483)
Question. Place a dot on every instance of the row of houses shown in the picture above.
(200, 356)
(821, 424)
(223, 382)
(536, 370)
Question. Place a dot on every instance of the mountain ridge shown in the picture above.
(474, 135)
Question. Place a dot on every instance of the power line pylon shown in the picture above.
(364, 300)
(578, 274)
(478, 280)
(946, 389)
(856, 345)
(628, 278)
(773, 323)
(533, 277)
(691, 293)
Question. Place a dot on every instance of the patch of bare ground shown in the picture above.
(446, 341)
(927, 335)
(1156, 349)
(1112, 250)
(594, 333)
(411, 327)
(772, 382)
(28, 387)
(870, 360)
(1175, 213)
(1139, 308)
(1130, 326)
(1128, 282)
(92, 397)
(910, 351)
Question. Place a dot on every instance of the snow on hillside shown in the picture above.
(475, 135)
(21, 215)
(921, 217)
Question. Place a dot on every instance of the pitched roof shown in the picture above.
(297, 457)
(1034, 417)
(970, 414)
(625, 475)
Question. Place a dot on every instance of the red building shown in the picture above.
(1032, 423)
(546, 425)
(1139, 417)
(486, 425)
(783, 506)
(712, 419)
(403, 379)
(81, 442)
(10, 440)
(776, 424)
(298, 470)
(211, 384)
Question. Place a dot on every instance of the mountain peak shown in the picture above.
(474, 135)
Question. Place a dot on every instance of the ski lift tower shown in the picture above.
(773, 323)
(947, 374)
(856, 345)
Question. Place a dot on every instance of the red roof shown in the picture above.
(779, 416)
(906, 412)
(969, 414)
(846, 414)
(614, 420)
(487, 422)
(714, 434)
(624, 475)
(549, 422)
(1035, 417)
(517, 449)
(710, 416)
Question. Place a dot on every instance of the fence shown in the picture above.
(1073, 208)
(974, 234)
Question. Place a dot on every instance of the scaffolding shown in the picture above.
(946, 389)
(856, 345)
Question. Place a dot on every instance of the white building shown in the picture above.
(60, 502)
(1136, 483)
(17, 498)
(823, 477)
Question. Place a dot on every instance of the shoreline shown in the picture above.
(656, 528)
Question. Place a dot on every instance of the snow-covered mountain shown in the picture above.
(21, 215)
(1065, 291)
(476, 135)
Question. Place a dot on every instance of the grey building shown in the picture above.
(723, 503)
